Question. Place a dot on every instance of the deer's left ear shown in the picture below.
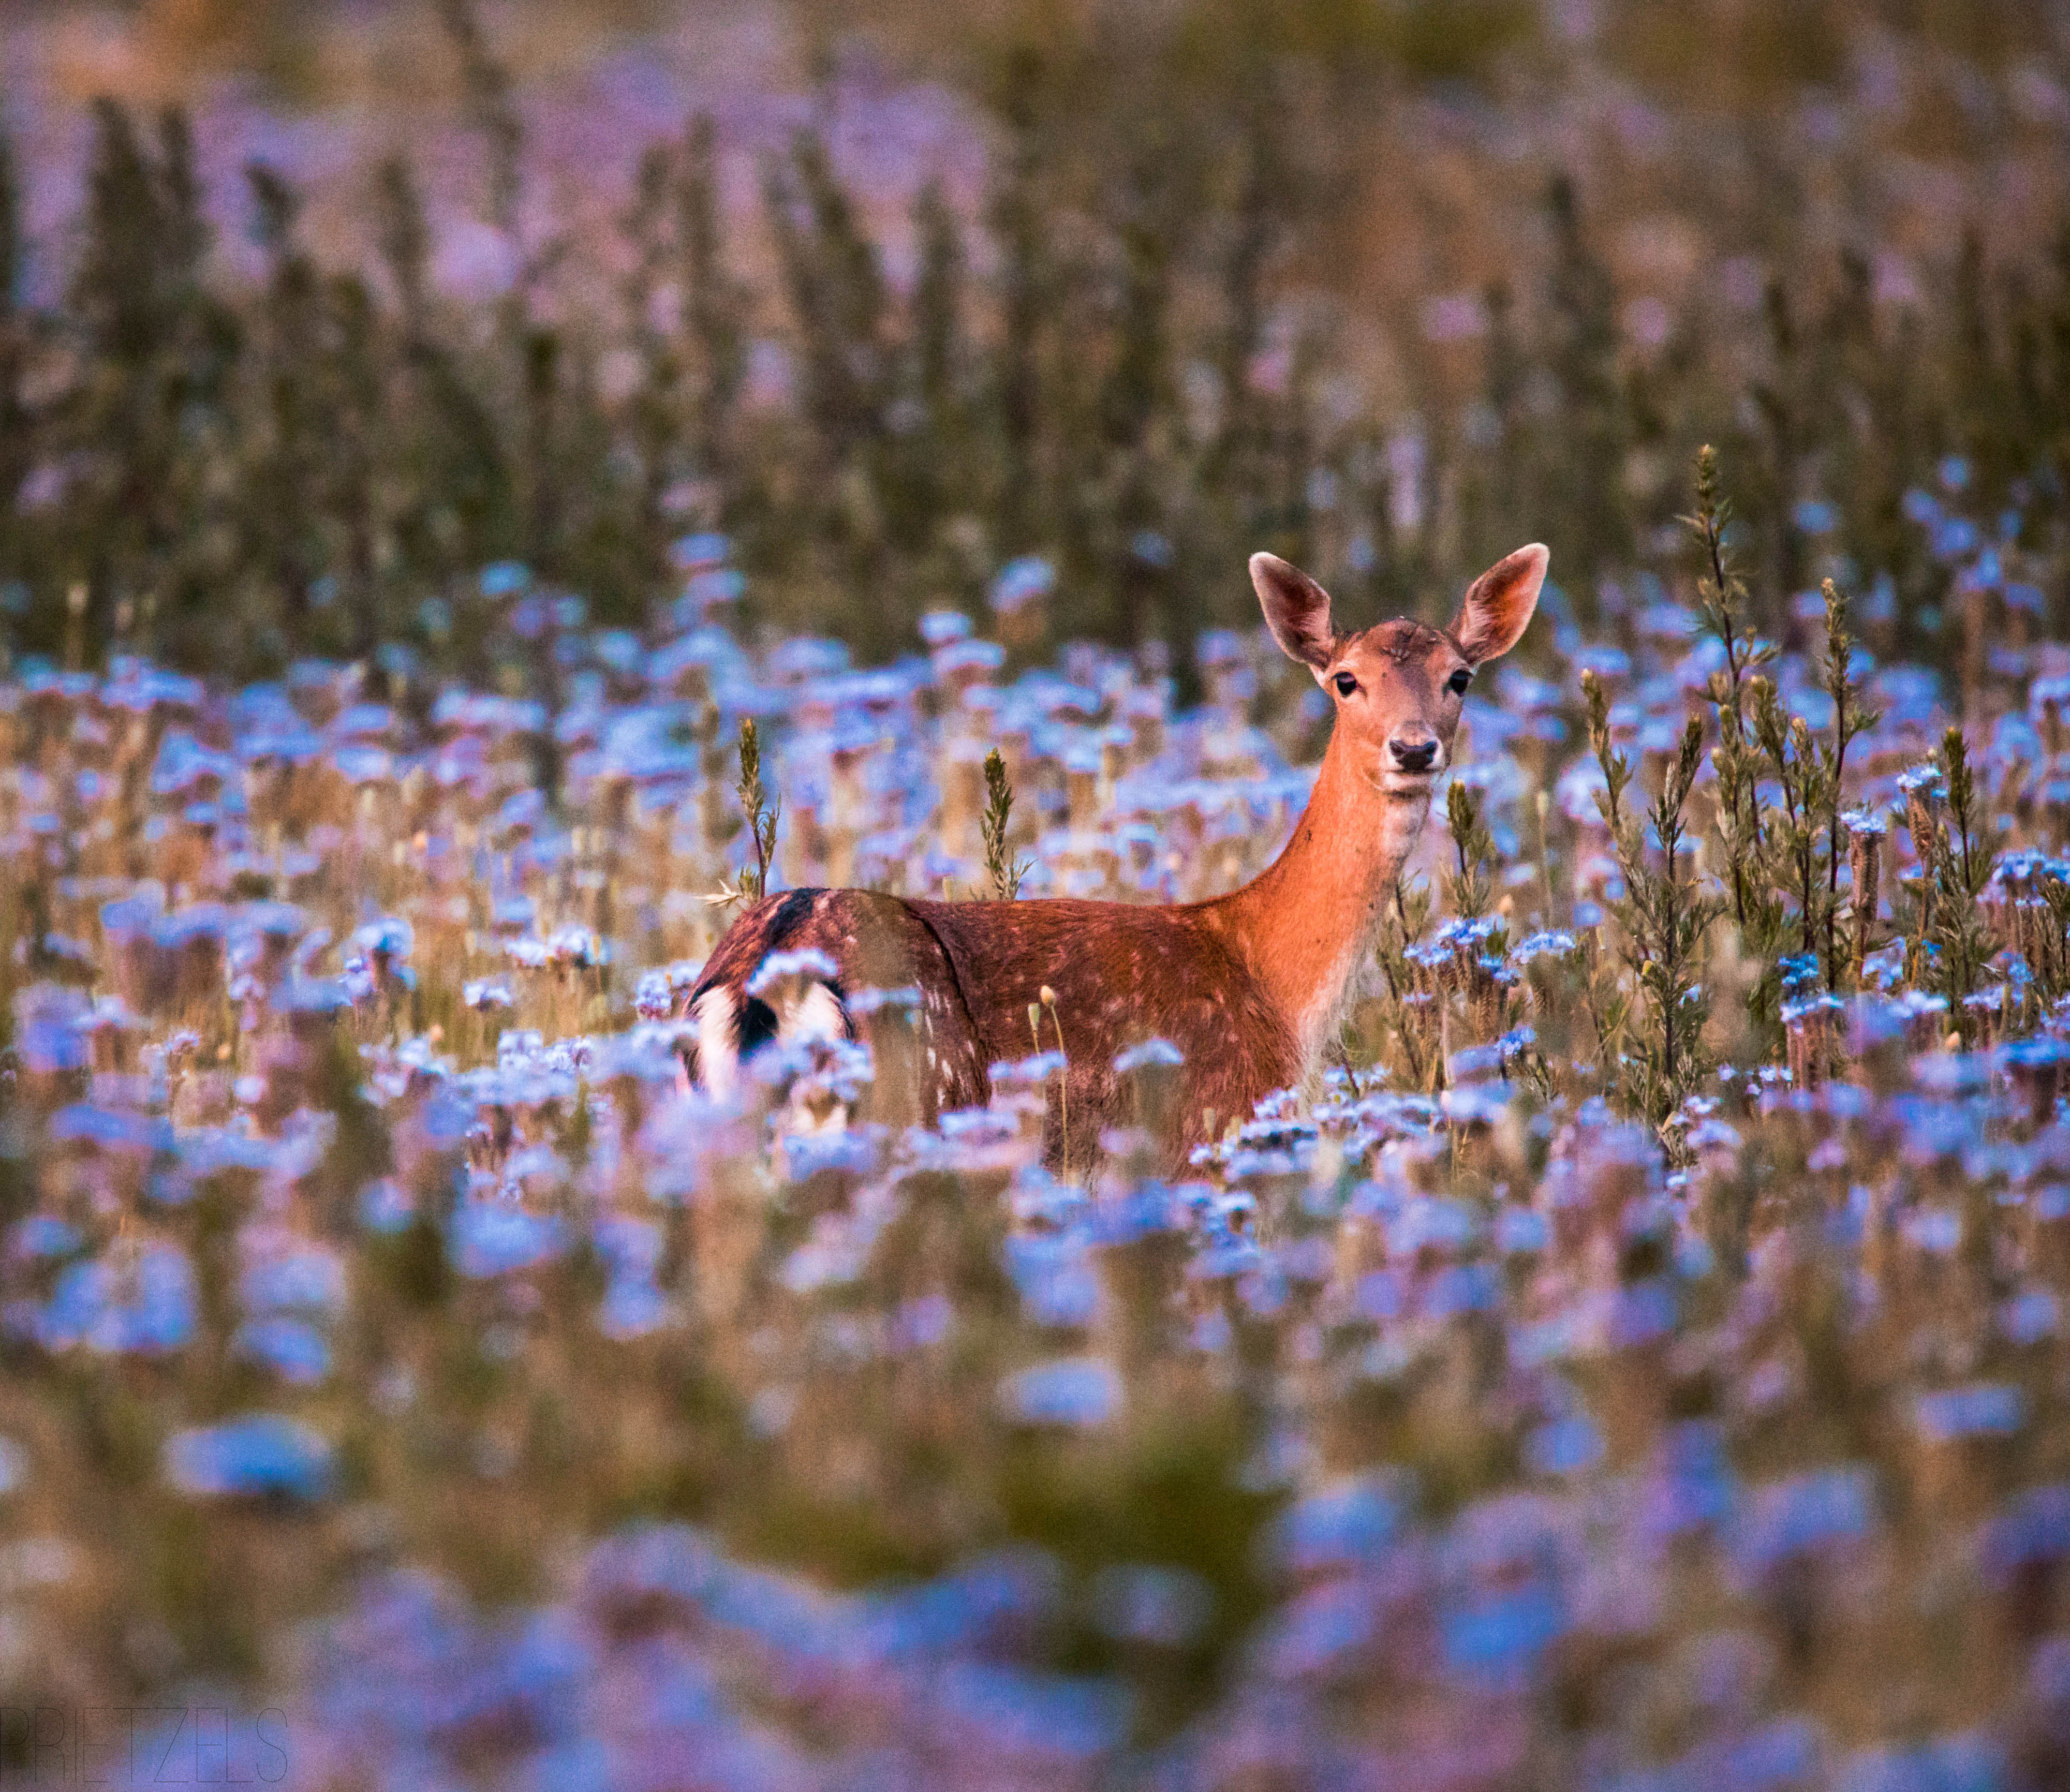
(1498, 605)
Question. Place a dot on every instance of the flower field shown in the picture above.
(388, 1324)
(450, 534)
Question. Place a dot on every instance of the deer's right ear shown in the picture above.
(1297, 611)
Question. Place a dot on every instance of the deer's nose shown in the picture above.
(1414, 754)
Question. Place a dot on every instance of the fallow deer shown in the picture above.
(1250, 987)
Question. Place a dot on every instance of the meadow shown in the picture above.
(1639, 1365)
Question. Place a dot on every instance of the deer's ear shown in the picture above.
(1498, 605)
(1297, 611)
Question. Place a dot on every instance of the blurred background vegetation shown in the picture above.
(1386, 286)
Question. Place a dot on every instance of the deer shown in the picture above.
(1252, 987)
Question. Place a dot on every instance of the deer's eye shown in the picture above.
(1346, 684)
(1458, 682)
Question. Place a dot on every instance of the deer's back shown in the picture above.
(1121, 973)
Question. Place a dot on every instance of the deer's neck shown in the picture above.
(1306, 926)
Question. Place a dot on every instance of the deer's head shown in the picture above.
(1397, 686)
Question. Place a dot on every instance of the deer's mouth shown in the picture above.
(1406, 786)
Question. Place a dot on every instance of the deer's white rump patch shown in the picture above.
(816, 1014)
(716, 1016)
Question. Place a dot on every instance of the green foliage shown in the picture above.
(712, 325)
(1407, 1021)
(1108, 360)
(1470, 885)
(1954, 943)
(1851, 717)
(760, 811)
(1780, 865)
(1664, 914)
(490, 107)
(1795, 835)
(1003, 869)
(1722, 595)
